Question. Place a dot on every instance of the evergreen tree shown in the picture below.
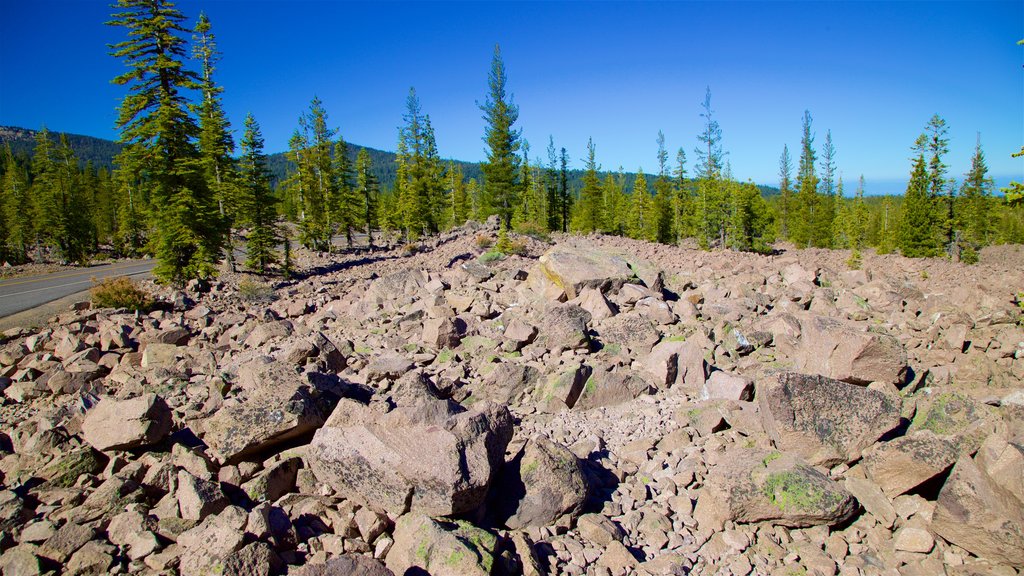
(460, 201)
(320, 198)
(785, 192)
(131, 192)
(662, 205)
(751, 224)
(422, 172)
(216, 144)
(564, 196)
(16, 208)
(257, 201)
(802, 230)
(477, 209)
(368, 189)
(590, 215)
(346, 204)
(501, 168)
(858, 220)
(822, 232)
(917, 234)
(939, 190)
(155, 116)
(975, 196)
(63, 210)
(639, 207)
(841, 221)
(683, 207)
(888, 229)
(711, 198)
(615, 203)
(551, 187)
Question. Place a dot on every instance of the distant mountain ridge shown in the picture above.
(101, 153)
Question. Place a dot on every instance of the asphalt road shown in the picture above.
(27, 292)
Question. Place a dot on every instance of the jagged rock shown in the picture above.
(441, 548)
(599, 529)
(751, 485)
(389, 366)
(540, 484)
(282, 408)
(631, 331)
(823, 420)
(674, 362)
(156, 354)
(976, 513)
(255, 559)
(125, 424)
(65, 542)
(21, 560)
(565, 326)
(722, 385)
(65, 470)
(562, 389)
(872, 499)
(611, 388)
(593, 301)
(440, 333)
(198, 498)
(904, 463)
(836, 349)
(520, 332)
(347, 565)
(274, 482)
(573, 269)
(506, 383)
(270, 331)
(433, 457)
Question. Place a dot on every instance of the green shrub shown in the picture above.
(120, 292)
(255, 292)
(491, 256)
(854, 261)
(533, 230)
(969, 255)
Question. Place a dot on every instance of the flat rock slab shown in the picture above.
(125, 424)
(826, 421)
(572, 269)
(433, 456)
(751, 485)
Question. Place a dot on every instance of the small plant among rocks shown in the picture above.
(484, 242)
(255, 291)
(492, 256)
(120, 292)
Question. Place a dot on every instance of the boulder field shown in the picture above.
(598, 406)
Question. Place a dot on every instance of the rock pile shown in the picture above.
(600, 406)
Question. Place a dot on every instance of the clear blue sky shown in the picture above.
(872, 72)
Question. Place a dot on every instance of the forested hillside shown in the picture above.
(181, 187)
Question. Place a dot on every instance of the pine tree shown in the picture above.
(422, 187)
(918, 236)
(590, 215)
(368, 189)
(258, 203)
(639, 207)
(802, 230)
(155, 115)
(858, 220)
(751, 227)
(551, 187)
(346, 204)
(888, 232)
(216, 144)
(975, 197)
(501, 170)
(824, 214)
(683, 207)
(785, 192)
(564, 196)
(616, 202)
(841, 221)
(62, 209)
(320, 215)
(477, 209)
(710, 217)
(662, 205)
(460, 201)
(16, 207)
(939, 190)
(131, 191)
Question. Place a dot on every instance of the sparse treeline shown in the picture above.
(179, 192)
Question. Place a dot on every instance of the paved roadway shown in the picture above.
(17, 294)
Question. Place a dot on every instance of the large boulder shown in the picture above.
(125, 424)
(610, 388)
(441, 548)
(979, 513)
(431, 456)
(506, 383)
(281, 406)
(538, 485)
(562, 389)
(839, 350)
(631, 333)
(826, 421)
(904, 463)
(565, 326)
(752, 485)
(572, 269)
(673, 362)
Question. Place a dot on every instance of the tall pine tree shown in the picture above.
(802, 229)
(975, 198)
(918, 236)
(785, 192)
(257, 202)
(501, 169)
(155, 117)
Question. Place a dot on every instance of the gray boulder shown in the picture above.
(540, 484)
